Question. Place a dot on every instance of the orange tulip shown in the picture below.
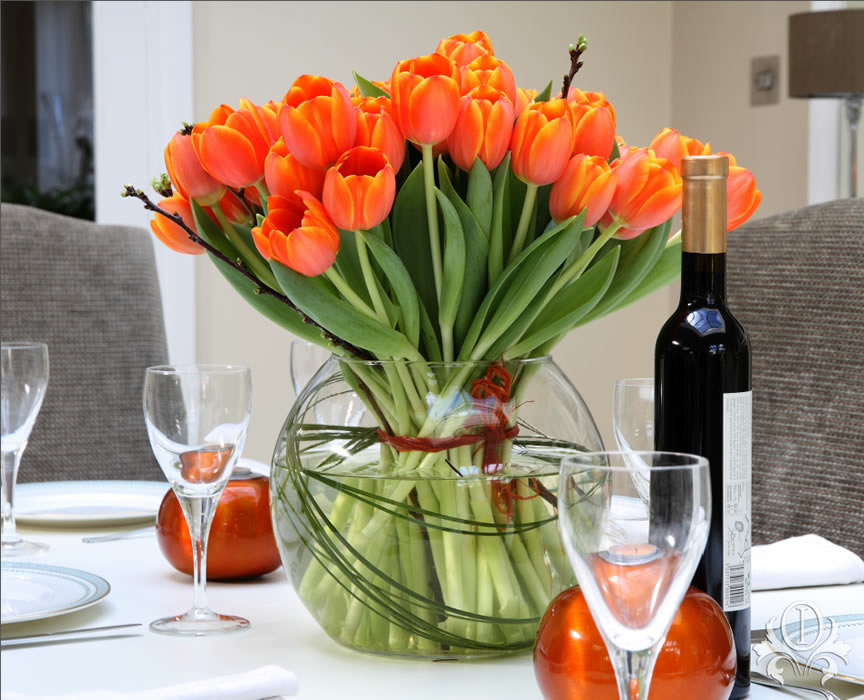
(425, 98)
(298, 233)
(317, 121)
(233, 144)
(235, 210)
(376, 128)
(594, 118)
(188, 175)
(648, 192)
(672, 146)
(542, 142)
(491, 71)
(483, 129)
(623, 148)
(464, 48)
(742, 197)
(587, 183)
(170, 233)
(359, 189)
(284, 174)
(524, 97)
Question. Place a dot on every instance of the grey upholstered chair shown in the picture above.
(91, 293)
(796, 282)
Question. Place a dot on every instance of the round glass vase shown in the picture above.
(414, 504)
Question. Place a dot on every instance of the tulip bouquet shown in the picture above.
(441, 216)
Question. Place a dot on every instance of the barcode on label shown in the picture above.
(735, 591)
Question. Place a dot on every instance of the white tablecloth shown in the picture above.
(144, 587)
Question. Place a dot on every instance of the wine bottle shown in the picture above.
(703, 398)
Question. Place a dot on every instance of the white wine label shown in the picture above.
(737, 469)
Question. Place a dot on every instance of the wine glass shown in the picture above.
(197, 417)
(634, 557)
(633, 424)
(25, 378)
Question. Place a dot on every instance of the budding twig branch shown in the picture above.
(575, 64)
(129, 191)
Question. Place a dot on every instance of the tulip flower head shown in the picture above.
(482, 130)
(464, 48)
(317, 121)
(233, 144)
(187, 174)
(647, 193)
(524, 97)
(594, 120)
(235, 210)
(742, 197)
(490, 71)
(672, 146)
(425, 98)
(170, 233)
(359, 189)
(377, 128)
(284, 174)
(588, 182)
(298, 233)
(542, 142)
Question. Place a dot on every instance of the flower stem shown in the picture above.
(263, 194)
(349, 294)
(524, 220)
(250, 257)
(432, 216)
(369, 278)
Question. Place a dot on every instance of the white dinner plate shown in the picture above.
(36, 591)
(88, 502)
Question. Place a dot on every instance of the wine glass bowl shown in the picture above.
(24, 381)
(633, 554)
(633, 424)
(197, 417)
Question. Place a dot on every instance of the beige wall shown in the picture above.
(636, 52)
(712, 45)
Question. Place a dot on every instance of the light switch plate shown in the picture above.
(764, 81)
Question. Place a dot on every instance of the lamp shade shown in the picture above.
(826, 53)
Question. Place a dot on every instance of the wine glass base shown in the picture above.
(22, 548)
(199, 623)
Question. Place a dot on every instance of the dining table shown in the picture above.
(144, 587)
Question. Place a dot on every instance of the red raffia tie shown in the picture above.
(491, 394)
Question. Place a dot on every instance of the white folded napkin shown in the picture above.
(809, 560)
(265, 682)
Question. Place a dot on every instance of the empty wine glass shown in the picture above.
(634, 557)
(633, 424)
(197, 417)
(25, 378)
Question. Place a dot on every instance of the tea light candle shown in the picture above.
(630, 553)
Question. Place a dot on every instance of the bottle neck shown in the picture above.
(703, 278)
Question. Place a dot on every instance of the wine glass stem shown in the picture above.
(199, 515)
(633, 671)
(11, 460)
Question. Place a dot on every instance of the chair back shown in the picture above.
(796, 283)
(91, 293)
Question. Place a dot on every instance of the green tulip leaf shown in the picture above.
(367, 88)
(340, 318)
(518, 284)
(210, 231)
(667, 269)
(638, 256)
(403, 287)
(476, 250)
(545, 93)
(411, 237)
(496, 233)
(431, 344)
(569, 306)
(479, 196)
